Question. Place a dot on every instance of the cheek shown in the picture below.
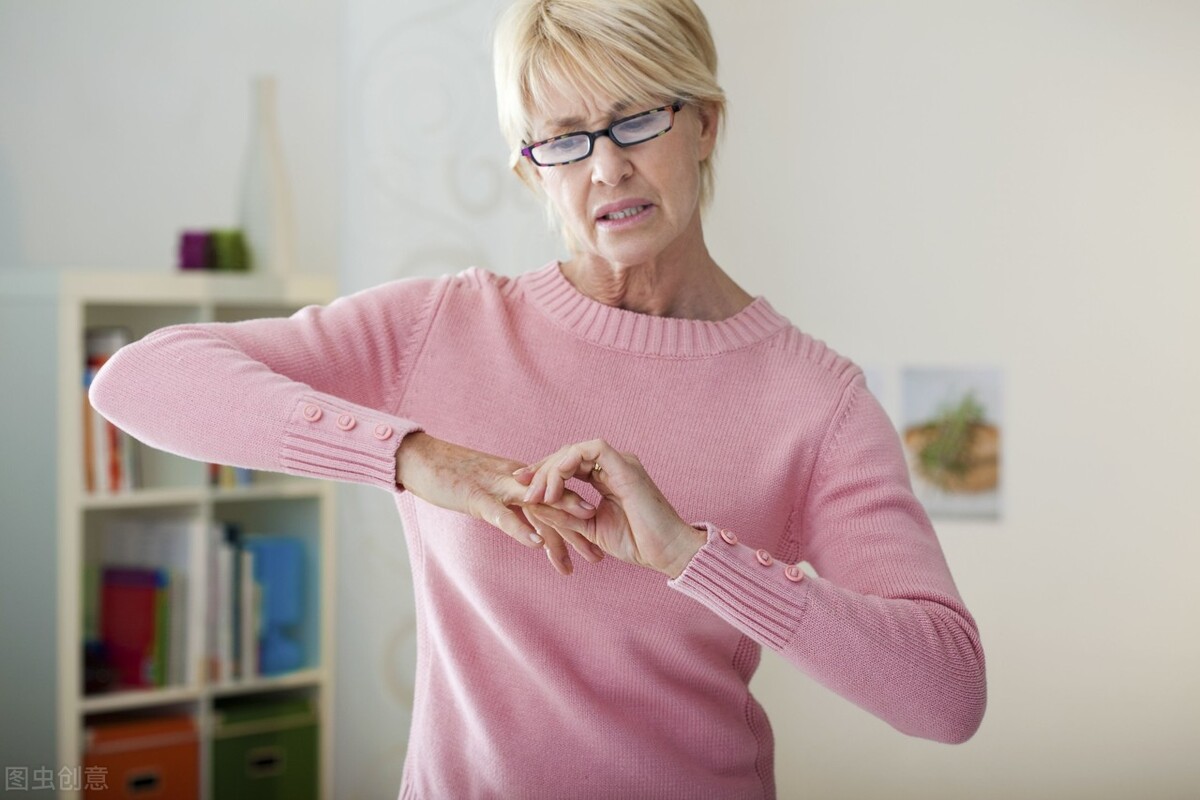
(563, 195)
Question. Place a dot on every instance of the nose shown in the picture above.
(610, 165)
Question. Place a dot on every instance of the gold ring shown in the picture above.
(597, 468)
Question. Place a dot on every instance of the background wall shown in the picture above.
(985, 183)
(1009, 184)
(125, 121)
(1013, 184)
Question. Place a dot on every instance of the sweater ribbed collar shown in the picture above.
(632, 331)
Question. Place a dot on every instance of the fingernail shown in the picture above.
(519, 471)
(533, 537)
(586, 506)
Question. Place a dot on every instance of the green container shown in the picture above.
(265, 751)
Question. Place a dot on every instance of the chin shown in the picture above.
(628, 252)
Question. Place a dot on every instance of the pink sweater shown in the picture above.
(614, 682)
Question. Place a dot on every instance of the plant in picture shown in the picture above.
(958, 450)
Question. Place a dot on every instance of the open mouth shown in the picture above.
(624, 213)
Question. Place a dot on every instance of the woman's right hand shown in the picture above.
(482, 485)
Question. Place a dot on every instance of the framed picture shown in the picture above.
(951, 427)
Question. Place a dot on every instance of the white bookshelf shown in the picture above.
(42, 322)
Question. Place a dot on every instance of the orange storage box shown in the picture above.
(144, 759)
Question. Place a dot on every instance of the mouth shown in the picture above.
(623, 213)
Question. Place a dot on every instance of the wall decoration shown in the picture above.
(951, 427)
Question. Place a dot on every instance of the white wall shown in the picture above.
(1013, 184)
(1005, 183)
(123, 122)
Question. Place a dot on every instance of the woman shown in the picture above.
(632, 406)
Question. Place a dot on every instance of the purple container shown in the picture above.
(195, 250)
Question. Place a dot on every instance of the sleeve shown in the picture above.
(883, 625)
(311, 394)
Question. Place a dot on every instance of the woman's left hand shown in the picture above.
(633, 521)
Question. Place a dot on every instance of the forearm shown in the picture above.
(191, 392)
(913, 661)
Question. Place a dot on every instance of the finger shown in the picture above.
(573, 534)
(569, 501)
(556, 551)
(566, 499)
(580, 461)
(512, 523)
(582, 532)
(556, 476)
(575, 505)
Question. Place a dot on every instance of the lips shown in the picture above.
(623, 209)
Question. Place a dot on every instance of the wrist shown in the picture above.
(407, 453)
(687, 543)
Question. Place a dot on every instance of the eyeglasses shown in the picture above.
(625, 132)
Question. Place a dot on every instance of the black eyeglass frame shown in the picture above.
(675, 107)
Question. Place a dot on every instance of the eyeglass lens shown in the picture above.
(631, 130)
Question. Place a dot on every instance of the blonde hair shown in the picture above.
(638, 51)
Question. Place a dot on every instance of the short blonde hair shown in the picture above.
(638, 51)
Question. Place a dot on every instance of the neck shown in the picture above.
(687, 284)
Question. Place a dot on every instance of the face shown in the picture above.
(632, 205)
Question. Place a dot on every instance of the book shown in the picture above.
(279, 572)
(128, 623)
(137, 598)
(110, 456)
(248, 601)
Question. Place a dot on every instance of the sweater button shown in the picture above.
(729, 536)
(383, 432)
(346, 422)
(793, 573)
(312, 413)
(764, 558)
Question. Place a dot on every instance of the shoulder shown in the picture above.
(804, 357)
(482, 289)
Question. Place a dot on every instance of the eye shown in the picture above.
(638, 124)
(565, 146)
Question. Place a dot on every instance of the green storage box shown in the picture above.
(265, 751)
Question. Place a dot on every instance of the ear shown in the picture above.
(710, 122)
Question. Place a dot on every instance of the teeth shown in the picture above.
(629, 212)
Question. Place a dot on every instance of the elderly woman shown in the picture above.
(672, 445)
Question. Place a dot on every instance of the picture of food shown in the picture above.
(958, 451)
(951, 432)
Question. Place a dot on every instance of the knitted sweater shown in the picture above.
(615, 681)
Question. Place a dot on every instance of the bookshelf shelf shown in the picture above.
(147, 698)
(144, 498)
(69, 533)
(295, 680)
(291, 488)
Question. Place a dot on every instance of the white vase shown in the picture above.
(266, 203)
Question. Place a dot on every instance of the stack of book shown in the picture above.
(110, 461)
(136, 604)
(256, 608)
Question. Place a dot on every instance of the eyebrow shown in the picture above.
(576, 123)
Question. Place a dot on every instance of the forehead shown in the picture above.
(560, 105)
(564, 106)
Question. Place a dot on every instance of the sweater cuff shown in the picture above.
(330, 438)
(762, 597)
